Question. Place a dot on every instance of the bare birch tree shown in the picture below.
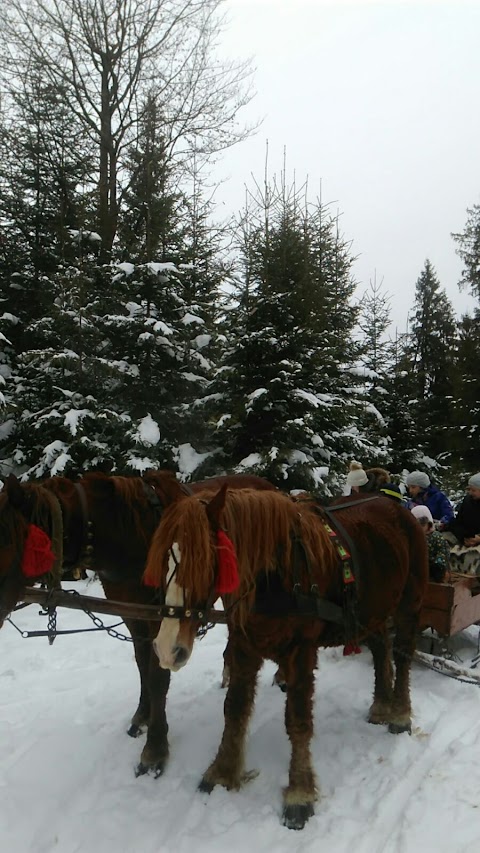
(105, 55)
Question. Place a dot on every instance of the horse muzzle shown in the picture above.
(174, 659)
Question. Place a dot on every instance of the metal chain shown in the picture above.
(52, 625)
(52, 632)
(203, 630)
(101, 625)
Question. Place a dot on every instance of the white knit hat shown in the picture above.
(418, 478)
(420, 512)
(475, 481)
(356, 477)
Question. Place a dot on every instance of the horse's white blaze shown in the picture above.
(166, 640)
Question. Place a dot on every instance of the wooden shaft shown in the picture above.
(124, 609)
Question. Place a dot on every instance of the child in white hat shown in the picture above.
(438, 547)
(356, 478)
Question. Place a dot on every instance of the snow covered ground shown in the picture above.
(66, 764)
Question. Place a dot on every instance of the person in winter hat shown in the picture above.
(356, 478)
(392, 491)
(466, 524)
(423, 493)
(417, 480)
(438, 547)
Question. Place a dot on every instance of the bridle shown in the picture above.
(203, 614)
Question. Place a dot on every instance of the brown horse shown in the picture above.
(107, 522)
(289, 588)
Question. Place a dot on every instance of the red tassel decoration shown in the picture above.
(38, 556)
(227, 578)
(351, 649)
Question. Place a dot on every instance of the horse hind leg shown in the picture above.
(403, 649)
(226, 666)
(300, 794)
(228, 766)
(280, 679)
(381, 707)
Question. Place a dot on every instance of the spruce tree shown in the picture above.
(466, 420)
(285, 382)
(376, 364)
(468, 249)
(430, 359)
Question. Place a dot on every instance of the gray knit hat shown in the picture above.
(475, 481)
(418, 478)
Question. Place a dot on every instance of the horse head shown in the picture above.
(183, 561)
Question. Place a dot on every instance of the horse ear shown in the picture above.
(15, 492)
(166, 486)
(215, 506)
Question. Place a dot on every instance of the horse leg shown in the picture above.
(280, 679)
(132, 592)
(226, 666)
(155, 752)
(380, 647)
(228, 767)
(406, 625)
(301, 792)
(142, 648)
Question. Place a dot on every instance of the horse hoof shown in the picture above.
(206, 787)
(296, 816)
(134, 730)
(154, 770)
(399, 728)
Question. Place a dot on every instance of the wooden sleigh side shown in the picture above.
(451, 607)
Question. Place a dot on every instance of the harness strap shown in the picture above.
(313, 605)
(348, 559)
(311, 602)
(86, 540)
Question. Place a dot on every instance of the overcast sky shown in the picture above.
(380, 101)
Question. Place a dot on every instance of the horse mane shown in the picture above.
(125, 497)
(128, 501)
(260, 525)
(39, 504)
(12, 523)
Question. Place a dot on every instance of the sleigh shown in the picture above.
(451, 607)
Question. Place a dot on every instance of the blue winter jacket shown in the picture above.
(437, 502)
